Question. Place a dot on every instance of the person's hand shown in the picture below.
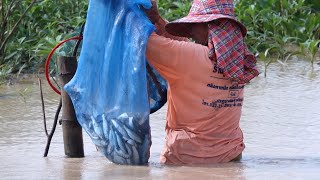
(153, 12)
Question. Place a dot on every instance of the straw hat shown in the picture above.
(204, 11)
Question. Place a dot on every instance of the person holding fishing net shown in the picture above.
(206, 80)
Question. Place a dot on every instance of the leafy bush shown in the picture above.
(274, 24)
(36, 26)
(30, 29)
(172, 10)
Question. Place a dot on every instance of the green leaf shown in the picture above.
(10, 55)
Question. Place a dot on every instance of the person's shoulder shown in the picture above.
(185, 46)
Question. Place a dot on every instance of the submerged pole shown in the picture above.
(71, 129)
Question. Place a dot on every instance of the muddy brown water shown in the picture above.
(280, 121)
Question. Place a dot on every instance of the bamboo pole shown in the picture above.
(71, 129)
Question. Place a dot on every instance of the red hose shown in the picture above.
(47, 66)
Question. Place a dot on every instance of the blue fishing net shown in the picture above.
(114, 89)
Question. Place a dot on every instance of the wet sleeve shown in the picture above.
(169, 57)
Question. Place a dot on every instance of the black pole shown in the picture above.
(71, 129)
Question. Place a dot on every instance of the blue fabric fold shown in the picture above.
(109, 90)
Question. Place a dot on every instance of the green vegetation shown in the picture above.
(275, 26)
(171, 9)
(30, 29)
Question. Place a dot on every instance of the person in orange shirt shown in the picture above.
(206, 80)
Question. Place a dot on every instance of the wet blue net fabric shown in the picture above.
(114, 89)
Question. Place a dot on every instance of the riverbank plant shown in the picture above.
(28, 28)
(276, 28)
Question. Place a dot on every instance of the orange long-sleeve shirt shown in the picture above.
(204, 108)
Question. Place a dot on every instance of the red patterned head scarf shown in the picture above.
(228, 49)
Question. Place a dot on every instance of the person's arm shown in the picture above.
(160, 26)
(160, 23)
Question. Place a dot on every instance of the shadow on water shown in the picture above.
(280, 122)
